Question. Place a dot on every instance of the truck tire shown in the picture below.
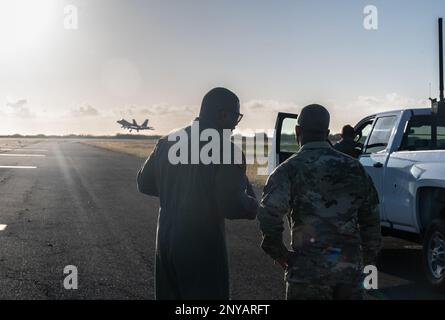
(433, 254)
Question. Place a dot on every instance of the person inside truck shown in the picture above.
(347, 144)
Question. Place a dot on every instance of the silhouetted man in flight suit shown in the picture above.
(191, 255)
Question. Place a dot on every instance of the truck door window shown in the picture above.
(419, 134)
(362, 134)
(378, 141)
(441, 135)
(288, 140)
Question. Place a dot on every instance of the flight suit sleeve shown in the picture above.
(146, 178)
(275, 204)
(369, 223)
(235, 197)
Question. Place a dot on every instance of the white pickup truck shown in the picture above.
(404, 153)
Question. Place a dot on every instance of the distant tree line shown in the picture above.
(83, 136)
(289, 138)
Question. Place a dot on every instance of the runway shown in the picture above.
(78, 205)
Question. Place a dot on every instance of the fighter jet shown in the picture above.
(134, 126)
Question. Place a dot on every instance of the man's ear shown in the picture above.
(297, 132)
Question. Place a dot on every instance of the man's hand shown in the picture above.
(275, 248)
(282, 262)
(249, 189)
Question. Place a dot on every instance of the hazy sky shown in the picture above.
(156, 59)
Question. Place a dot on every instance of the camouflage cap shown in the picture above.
(314, 118)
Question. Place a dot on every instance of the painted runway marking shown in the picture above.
(23, 149)
(18, 167)
(21, 155)
(3, 227)
(32, 150)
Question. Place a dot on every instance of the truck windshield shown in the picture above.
(424, 133)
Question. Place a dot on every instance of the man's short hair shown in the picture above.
(348, 131)
(314, 119)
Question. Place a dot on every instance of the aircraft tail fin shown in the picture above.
(134, 122)
(145, 123)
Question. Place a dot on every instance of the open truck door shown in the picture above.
(284, 141)
(374, 136)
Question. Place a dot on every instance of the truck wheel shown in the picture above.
(434, 254)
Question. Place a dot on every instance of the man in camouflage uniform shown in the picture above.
(332, 208)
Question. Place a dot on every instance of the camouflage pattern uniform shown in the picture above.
(332, 208)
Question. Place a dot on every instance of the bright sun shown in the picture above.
(23, 23)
